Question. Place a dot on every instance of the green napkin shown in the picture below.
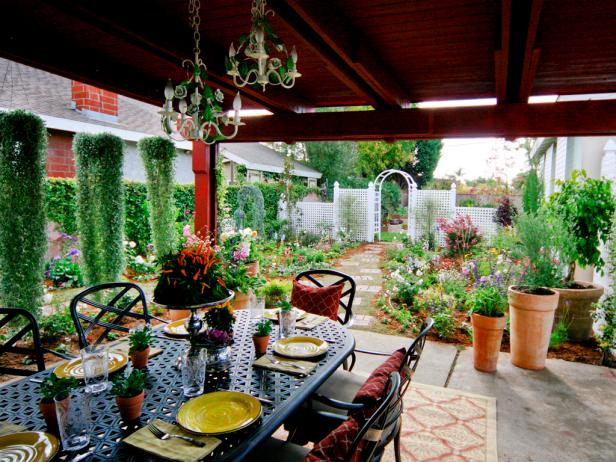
(288, 366)
(311, 321)
(7, 428)
(173, 449)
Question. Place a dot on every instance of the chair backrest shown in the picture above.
(379, 429)
(123, 298)
(413, 354)
(8, 346)
(348, 291)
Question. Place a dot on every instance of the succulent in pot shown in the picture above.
(139, 341)
(261, 336)
(129, 392)
(488, 305)
(54, 387)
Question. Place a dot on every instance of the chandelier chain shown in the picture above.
(194, 9)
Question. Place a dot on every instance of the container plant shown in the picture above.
(54, 387)
(586, 207)
(532, 303)
(286, 319)
(218, 336)
(261, 336)
(139, 341)
(275, 291)
(237, 279)
(487, 308)
(129, 392)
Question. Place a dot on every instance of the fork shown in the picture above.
(161, 435)
(287, 363)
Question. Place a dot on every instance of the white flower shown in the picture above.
(219, 95)
(419, 273)
(139, 260)
(132, 244)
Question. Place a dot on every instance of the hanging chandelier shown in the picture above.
(261, 58)
(201, 116)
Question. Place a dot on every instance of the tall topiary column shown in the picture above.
(158, 155)
(23, 241)
(100, 205)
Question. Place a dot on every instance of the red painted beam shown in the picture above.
(203, 164)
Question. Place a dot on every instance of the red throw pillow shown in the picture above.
(323, 301)
(335, 446)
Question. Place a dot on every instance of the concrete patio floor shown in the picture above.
(564, 413)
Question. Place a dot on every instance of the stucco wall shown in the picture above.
(133, 166)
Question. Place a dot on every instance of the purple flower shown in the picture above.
(73, 253)
(150, 246)
(214, 338)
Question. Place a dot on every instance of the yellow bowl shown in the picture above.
(28, 447)
(300, 347)
(219, 412)
(74, 368)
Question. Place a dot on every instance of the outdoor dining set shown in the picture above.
(197, 405)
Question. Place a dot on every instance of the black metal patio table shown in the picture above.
(163, 396)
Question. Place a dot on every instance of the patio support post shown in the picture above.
(204, 164)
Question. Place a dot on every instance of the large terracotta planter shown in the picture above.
(532, 316)
(176, 315)
(575, 307)
(252, 268)
(49, 414)
(241, 301)
(140, 358)
(487, 337)
(130, 408)
(260, 344)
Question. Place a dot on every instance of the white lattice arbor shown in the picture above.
(377, 187)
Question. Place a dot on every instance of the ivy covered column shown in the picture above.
(204, 162)
(23, 241)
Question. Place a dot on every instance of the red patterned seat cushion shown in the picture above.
(323, 301)
(335, 446)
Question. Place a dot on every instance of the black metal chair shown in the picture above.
(348, 292)
(376, 432)
(9, 346)
(124, 297)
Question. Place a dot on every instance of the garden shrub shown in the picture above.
(100, 205)
(605, 312)
(444, 323)
(56, 325)
(23, 240)
(63, 272)
(505, 212)
(559, 335)
(158, 155)
(61, 199)
(461, 236)
(532, 192)
(252, 195)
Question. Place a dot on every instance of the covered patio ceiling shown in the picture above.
(386, 54)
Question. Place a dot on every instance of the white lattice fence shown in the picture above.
(351, 213)
(430, 205)
(483, 218)
(314, 217)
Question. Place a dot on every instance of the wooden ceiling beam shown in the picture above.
(501, 56)
(574, 118)
(531, 53)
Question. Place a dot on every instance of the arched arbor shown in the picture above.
(378, 183)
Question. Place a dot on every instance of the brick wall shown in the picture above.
(91, 99)
(60, 158)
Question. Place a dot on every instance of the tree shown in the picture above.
(376, 156)
(427, 155)
(334, 159)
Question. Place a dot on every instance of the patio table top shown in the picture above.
(163, 395)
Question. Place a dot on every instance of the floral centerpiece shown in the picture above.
(218, 336)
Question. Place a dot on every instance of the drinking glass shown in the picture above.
(257, 307)
(95, 362)
(74, 423)
(192, 365)
(286, 323)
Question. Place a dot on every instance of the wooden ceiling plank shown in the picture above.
(531, 54)
(574, 118)
(501, 56)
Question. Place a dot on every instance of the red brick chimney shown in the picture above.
(94, 103)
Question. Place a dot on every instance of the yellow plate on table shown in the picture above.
(178, 328)
(74, 368)
(272, 314)
(219, 412)
(28, 447)
(300, 347)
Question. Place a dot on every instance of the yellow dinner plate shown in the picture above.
(300, 347)
(28, 447)
(219, 412)
(273, 314)
(178, 328)
(73, 368)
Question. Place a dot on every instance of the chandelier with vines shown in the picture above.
(199, 115)
(261, 57)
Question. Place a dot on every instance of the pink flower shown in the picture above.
(187, 231)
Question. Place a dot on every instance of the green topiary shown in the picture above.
(158, 155)
(23, 241)
(532, 192)
(100, 205)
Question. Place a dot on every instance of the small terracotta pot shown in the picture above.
(49, 414)
(140, 358)
(260, 344)
(532, 317)
(487, 337)
(240, 301)
(176, 315)
(252, 268)
(575, 307)
(130, 408)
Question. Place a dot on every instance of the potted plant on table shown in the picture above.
(261, 336)
(586, 207)
(286, 319)
(532, 303)
(139, 341)
(217, 338)
(487, 307)
(129, 393)
(54, 387)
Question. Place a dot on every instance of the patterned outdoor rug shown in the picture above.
(442, 424)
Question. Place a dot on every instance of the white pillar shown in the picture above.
(452, 200)
(336, 209)
(371, 214)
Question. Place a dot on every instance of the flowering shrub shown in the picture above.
(238, 246)
(461, 236)
(140, 267)
(64, 272)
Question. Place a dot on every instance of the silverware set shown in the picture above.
(161, 435)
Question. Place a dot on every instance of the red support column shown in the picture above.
(204, 163)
